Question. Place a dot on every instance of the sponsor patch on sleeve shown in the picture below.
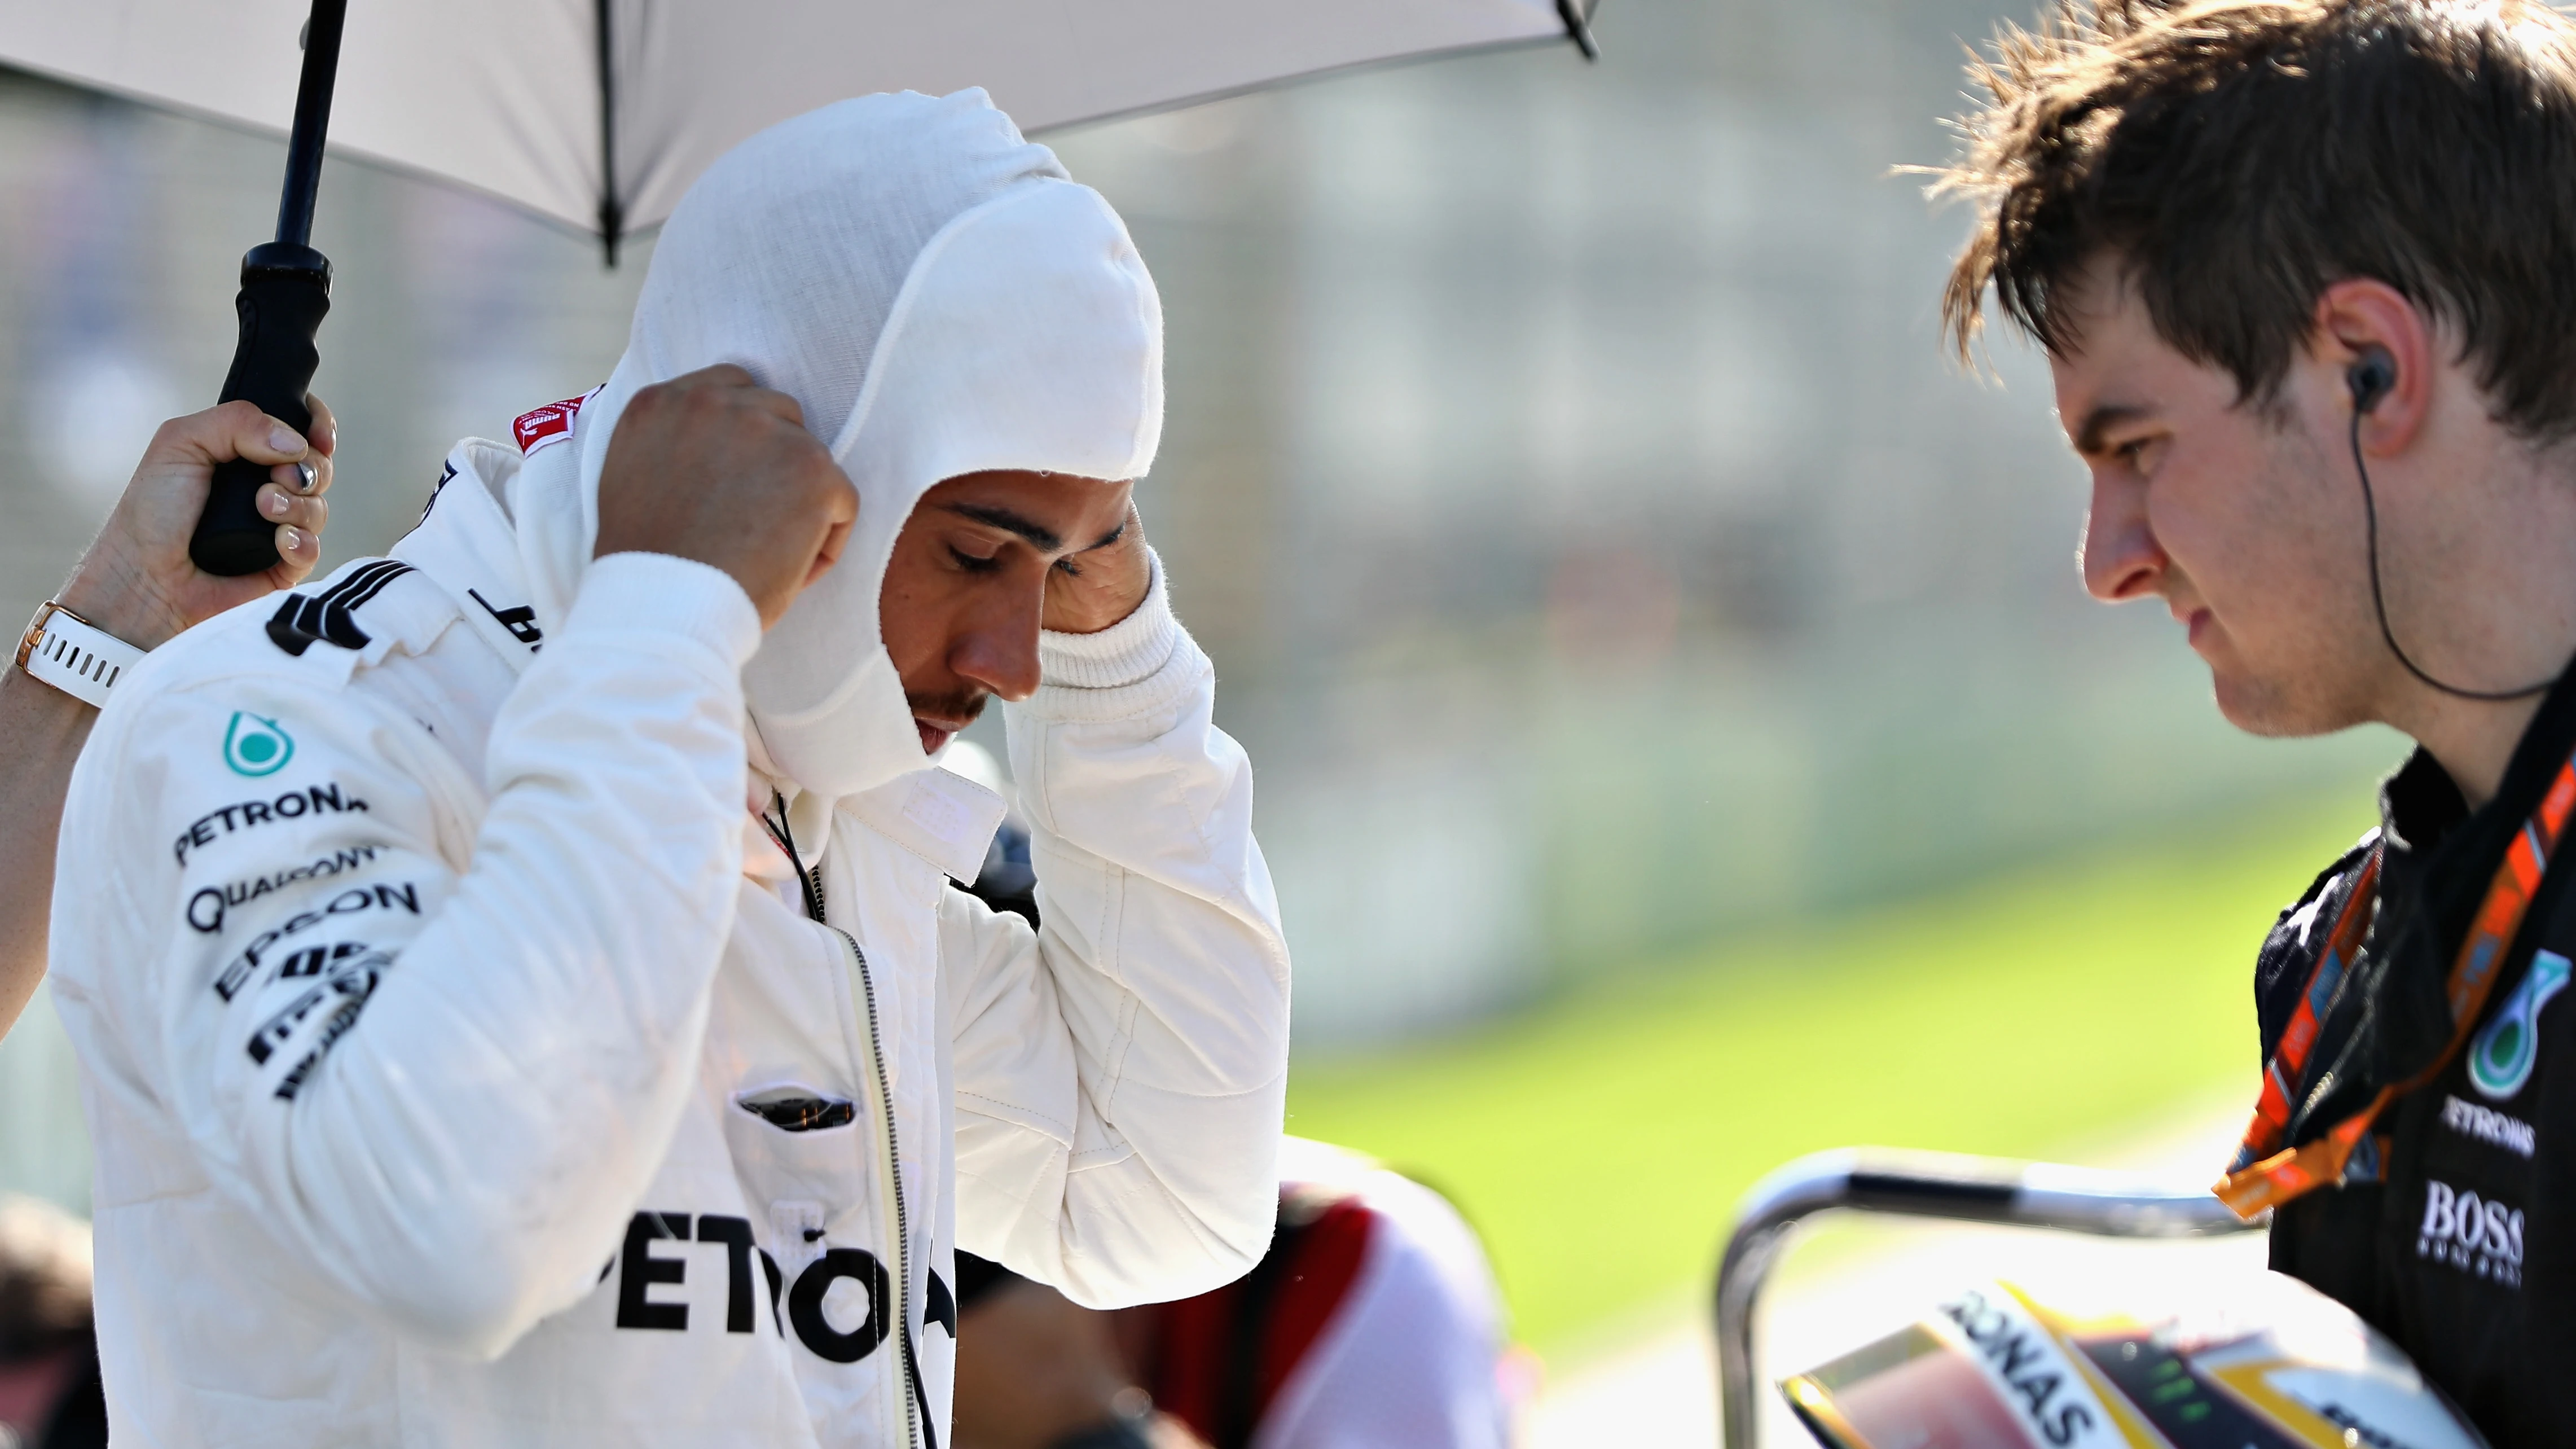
(543, 427)
(256, 745)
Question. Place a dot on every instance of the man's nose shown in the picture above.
(2119, 555)
(999, 649)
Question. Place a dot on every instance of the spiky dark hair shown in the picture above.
(2237, 157)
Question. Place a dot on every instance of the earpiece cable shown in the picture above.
(2379, 604)
(808, 881)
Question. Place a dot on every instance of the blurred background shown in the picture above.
(1682, 739)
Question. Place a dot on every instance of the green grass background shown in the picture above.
(1599, 1140)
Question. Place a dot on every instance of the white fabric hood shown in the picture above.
(940, 299)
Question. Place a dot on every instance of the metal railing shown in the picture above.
(1926, 1185)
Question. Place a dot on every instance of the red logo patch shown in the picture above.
(549, 424)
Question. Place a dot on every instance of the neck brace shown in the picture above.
(940, 299)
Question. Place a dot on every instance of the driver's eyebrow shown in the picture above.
(1112, 536)
(2103, 418)
(1040, 536)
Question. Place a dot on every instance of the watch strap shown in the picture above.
(74, 655)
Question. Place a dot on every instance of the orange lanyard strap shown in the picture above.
(2265, 1174)
(2287, 1071)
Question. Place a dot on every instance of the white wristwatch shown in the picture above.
(74, 655)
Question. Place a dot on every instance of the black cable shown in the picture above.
(809, 881)
(2379, 604)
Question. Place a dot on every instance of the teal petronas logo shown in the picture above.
(255, 746)
(2504, 1051)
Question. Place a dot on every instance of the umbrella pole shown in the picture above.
(285, 292)
(1578, 27)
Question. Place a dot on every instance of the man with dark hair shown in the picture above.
(2306, 275)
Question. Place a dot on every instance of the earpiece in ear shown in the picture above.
(2371, 379)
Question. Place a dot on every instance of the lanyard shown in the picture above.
(2265, 1174)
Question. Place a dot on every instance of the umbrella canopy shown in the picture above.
(599, 113)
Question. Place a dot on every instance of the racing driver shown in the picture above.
(2306, 275)
(519, 986)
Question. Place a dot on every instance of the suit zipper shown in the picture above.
(918, 1434)
(901, 1308)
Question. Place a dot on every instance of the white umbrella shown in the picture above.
(599, 113)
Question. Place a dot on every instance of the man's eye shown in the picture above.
(971, 564)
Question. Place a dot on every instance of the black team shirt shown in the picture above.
(2465, 1252)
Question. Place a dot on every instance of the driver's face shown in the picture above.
(965, 592)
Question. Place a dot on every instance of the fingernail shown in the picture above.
(273, 504)
(305, 474)
(291, 539)
(285, 439)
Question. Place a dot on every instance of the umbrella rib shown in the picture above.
(612, 212)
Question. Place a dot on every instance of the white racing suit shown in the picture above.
(464, 1072)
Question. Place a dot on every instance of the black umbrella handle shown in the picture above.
(285, 292)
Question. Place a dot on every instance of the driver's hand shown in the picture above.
(1103, 585)
(137, 582)
(712, 466)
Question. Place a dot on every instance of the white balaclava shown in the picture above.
(940, 299)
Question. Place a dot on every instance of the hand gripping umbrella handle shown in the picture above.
(285, 290)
